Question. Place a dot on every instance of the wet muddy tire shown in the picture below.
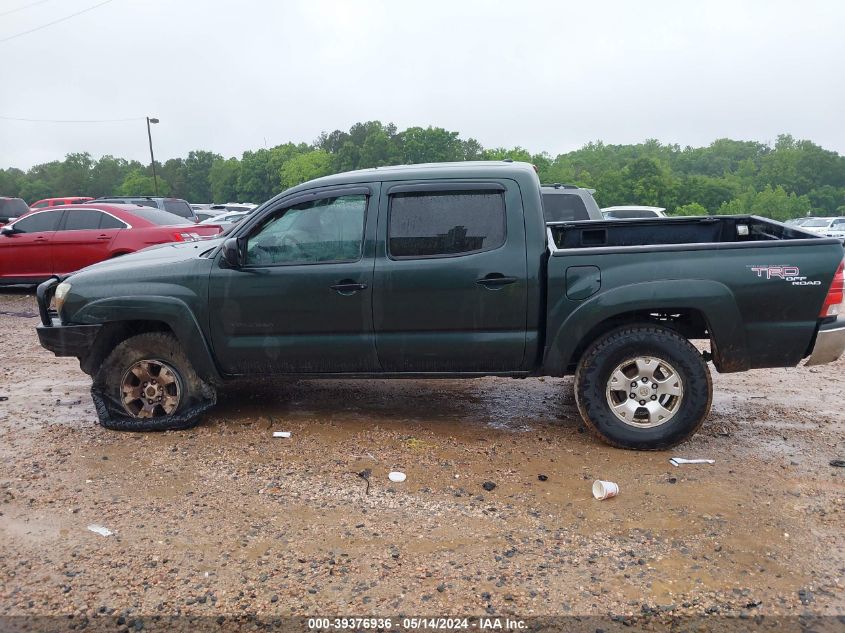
(643, 387)
(175, 390)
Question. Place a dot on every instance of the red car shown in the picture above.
(64, 239)
(57, 202)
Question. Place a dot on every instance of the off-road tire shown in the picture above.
(151, 345)
(606, 353)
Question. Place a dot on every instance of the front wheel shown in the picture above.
(147, 383)
(643, 387)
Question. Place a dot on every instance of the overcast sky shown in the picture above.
(231, 76)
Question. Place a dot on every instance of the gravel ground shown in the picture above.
(224, 520)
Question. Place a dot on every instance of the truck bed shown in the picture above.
(753, 286)
(709, 231)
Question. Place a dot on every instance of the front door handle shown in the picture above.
(348, 287)
(494, 281)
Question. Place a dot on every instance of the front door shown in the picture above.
(301, 301)
(450, 278)
(26, 255)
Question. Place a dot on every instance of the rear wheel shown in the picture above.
(147, 383)
(643, 387)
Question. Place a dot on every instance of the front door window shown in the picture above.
(329, 230)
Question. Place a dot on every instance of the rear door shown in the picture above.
(84, 238)
(450, 277)
(27, 255)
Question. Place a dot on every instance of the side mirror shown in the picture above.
(232, 253)
(9, 230)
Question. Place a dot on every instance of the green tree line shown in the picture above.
(788, 179)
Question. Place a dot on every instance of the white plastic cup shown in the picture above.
(604, 489)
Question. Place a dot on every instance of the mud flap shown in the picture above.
(111, 415)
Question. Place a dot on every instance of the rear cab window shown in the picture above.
(449, 223)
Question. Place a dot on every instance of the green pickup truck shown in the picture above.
(451, 271)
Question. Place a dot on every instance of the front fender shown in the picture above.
(172, 311)
(569, 326)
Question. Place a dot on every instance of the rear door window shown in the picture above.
(82, 220)
(39, 222)
(110, 222)
(444, 224)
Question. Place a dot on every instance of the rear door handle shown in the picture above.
(348, 287)
(104, 237)
(494, 281)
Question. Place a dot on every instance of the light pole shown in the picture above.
(152, 158)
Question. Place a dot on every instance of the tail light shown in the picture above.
(834, 302)
(186, 237)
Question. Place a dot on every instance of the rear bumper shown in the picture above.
(830, 344)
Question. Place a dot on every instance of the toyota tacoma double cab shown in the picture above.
(451, 271)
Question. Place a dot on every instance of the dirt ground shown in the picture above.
(225, 520)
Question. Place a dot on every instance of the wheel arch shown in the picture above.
(123, 317)
(693, 308)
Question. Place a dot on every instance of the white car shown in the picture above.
(831, 227)
(632, 211)
(226, 220)
(233, 206)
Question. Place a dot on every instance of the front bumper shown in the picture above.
(830, 344)
(67, 340)
(62, 340)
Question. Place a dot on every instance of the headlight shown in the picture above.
(61, 293)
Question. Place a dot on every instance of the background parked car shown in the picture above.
(11, 208)
(214, 210)
(799, 221)
(563, 203)
(205, 214)
(226, 220)
(632, 211)
(831, 227)
(176, 206)
(57, 202)
(60, 240)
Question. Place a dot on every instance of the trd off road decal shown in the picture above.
(792, 274)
